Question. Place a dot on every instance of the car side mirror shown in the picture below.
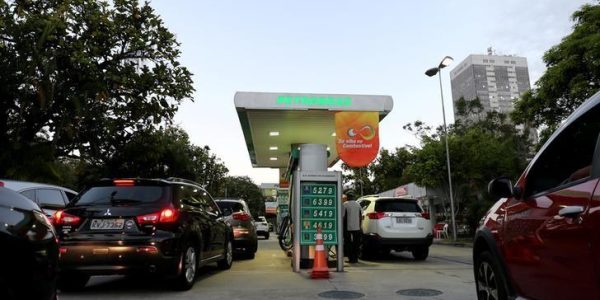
(501, 187)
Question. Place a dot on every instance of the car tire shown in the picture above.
(72, 281)
(267, 236)
(490, 280)
(250, 255)
(227, 260)
(420, 253)
(189, 268)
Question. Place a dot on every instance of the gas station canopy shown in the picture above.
(275, 122)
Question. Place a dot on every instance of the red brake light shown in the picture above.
(376, 215)
(425, 215)
(124, 182)
(63, 218)
(167, 215)
(1, 183)
(241, 216)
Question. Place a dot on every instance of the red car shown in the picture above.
(541, 240)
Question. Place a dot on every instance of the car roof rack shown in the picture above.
(177, 179)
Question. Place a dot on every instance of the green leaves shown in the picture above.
(86, 74)
(573, 74)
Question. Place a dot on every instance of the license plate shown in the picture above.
(403, 220)
(107, 224)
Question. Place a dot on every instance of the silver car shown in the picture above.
(49, 198)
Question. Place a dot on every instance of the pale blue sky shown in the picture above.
(346, 47)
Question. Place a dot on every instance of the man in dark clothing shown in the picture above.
(352, 215)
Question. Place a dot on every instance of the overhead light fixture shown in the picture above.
(273, 158)
(274, 133)
(333, 134)
(273, 148)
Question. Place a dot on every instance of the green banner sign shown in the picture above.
(318, 208)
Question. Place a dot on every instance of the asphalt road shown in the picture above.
(448, 270)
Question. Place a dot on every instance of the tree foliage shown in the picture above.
(79, 77)
(242, 187)
(572, 76)
(388, 169)
(480, 150)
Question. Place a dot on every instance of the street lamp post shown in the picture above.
(431, 72)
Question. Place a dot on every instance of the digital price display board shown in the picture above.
(318, 207)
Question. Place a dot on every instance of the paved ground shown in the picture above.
(448, 270)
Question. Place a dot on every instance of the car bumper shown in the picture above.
(108, 258)
(378, 241)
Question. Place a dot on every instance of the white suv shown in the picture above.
(262, 227)
(394, 224)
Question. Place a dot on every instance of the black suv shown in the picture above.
(167, 227)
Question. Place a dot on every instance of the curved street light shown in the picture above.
(446, 61)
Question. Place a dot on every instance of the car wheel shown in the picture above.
(189, 266)
(490, 281)
(227, 260)
(72, 281)
(267, 236)
(420, 253)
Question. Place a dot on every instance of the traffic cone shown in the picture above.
(320, 269)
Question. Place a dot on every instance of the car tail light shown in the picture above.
(376, 215)
(425, 215)
(165, 216)
(63, 218)
(241, 216)
(1, 183)
(124, 182)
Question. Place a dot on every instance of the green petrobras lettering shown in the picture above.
(314, 101)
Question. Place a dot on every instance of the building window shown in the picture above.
(485, 60)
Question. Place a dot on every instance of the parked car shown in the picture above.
(237, 215)
(394, 224)
(262, 227)
(540, 240)
(49, 197)
(166, 227)
(28, 251)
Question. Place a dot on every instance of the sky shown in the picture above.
(343, 47)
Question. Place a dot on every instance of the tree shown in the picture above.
(358, 180)
(159, 154)
(480, 150)
(388, 169)
(79, 77)
(242, 187)
(572, 76)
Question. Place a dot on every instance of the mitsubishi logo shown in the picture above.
(107, 213)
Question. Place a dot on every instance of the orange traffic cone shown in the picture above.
(320, 269)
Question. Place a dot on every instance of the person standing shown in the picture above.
(352, 215)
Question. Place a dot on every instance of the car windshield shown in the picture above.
(120, 195)
(397, 205)
(230, 207)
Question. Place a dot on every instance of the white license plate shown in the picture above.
(403, 220)
(107, 224)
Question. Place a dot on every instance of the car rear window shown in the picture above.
(397, 205)
(121, 195)
(229, 207)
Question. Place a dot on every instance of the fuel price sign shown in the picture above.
(318, 207)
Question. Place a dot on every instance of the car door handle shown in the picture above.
(570, 211)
